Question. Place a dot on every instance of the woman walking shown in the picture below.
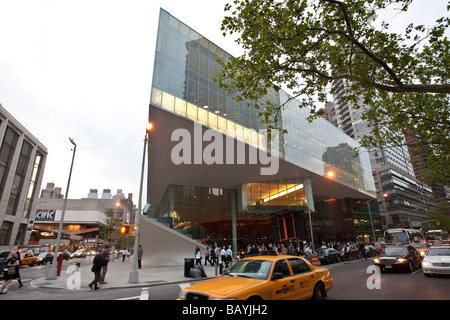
(11, 270)
(198, 256)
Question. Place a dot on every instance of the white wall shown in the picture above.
(163, 246)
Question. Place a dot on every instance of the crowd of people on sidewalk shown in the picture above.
(214, 256)
(224, 255)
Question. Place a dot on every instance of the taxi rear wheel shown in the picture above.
(319, 292)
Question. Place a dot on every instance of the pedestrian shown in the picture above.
(346, 253)
(198, 256)
(10, 272)
(140, 254)
(229, 256)
(124, 254)
(207, 256)
(217, 254)
(105, 260)
(17, 271)
(223, 254)
(97, 265)
(212, 256)
(128, 255)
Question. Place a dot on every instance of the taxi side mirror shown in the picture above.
(277, 276)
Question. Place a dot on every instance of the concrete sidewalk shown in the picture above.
(72, 278)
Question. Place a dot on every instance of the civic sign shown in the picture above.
(45, 215)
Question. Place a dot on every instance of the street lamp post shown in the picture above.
(134, 274)
(52, 271)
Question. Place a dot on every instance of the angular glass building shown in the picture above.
(212, 174)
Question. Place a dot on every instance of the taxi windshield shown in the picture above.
(254, 269)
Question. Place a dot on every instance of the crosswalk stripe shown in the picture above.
(183, 285)
(144, 294)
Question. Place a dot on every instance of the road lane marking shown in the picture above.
(144, 294)
(130, 298)
(183, 285)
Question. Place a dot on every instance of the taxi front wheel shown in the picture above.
(319, 292)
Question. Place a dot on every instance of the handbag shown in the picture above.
(11, 271)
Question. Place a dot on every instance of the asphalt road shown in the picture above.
(352, 281)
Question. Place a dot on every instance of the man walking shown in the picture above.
(96, 268)
(105, 260)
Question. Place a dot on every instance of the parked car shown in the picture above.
(66, 255)
(81, 253)
(436, 261)
(398, 257)
(3, 255)
(370, 250)
(354, 252)
(328, 255)
(28, 258)
(379, 246)
(45, 257)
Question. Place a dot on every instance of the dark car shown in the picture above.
(353, 252)
(398, 257)
(370, 251)
(328, 255)
(45, 257)
(3, 255)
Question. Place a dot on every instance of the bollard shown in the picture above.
(59, 265)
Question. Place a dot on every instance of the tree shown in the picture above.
(109, 231)
(443, 221)
(305, 45)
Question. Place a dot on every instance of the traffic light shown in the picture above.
(125, 230)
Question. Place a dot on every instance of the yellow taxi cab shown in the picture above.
(264, 277)
(28, 258)
(422, 247)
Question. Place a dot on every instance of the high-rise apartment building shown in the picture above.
(22, 162)
(403, 199)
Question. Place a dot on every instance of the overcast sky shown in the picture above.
(83, 69)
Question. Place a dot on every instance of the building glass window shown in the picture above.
(19, 177)
(276, 195)
(6, 154)
(5, 233)
(37, 168)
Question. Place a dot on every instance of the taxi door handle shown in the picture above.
(292, 281)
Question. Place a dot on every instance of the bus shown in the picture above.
(400, 235)
(437, 235)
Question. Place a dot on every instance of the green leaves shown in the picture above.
(304, 45)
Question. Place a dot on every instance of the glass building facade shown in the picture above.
(261, 209)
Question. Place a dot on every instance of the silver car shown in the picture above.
(436, 261)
